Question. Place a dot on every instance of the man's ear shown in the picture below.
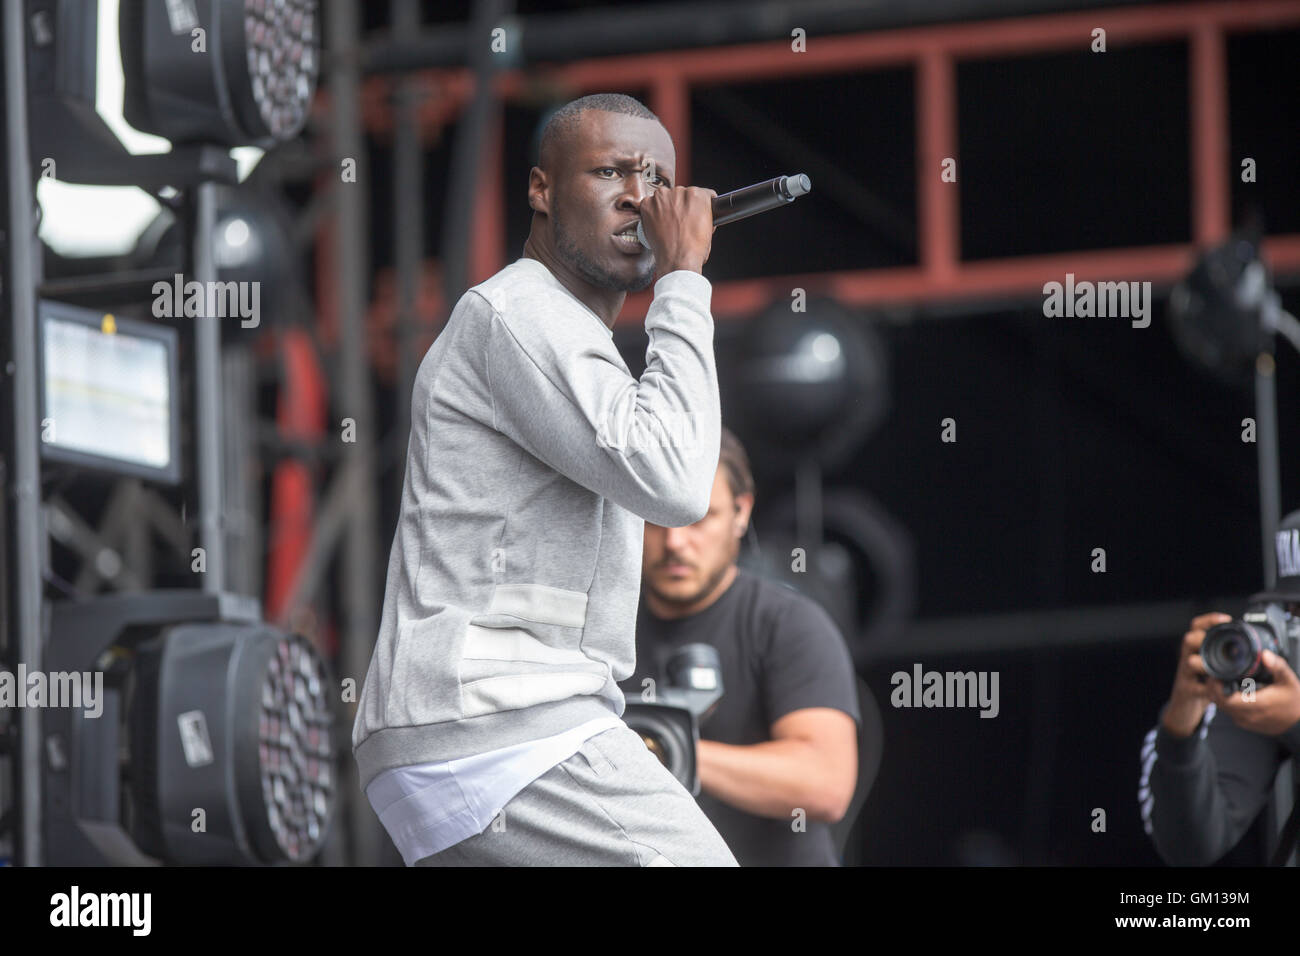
(538, 191)
(744, 507)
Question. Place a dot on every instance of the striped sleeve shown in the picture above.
(1200, 794)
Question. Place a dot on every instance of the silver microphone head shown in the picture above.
(798, 185)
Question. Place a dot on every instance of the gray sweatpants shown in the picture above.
(611, 804)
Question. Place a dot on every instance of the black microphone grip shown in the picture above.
(740, 203)
(750, 200)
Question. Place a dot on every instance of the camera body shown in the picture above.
(1234, 651)
(669, 722)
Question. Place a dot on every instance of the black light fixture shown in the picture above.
(250, 84)
(863, 571)
(1224, 316)
(812, 383)
(1224, 312)
(252, 242)
(211, 743)
(1212, 325)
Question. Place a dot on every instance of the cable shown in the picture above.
(1282, 321)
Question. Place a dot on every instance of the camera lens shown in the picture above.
(1231, 651)
(656, 746)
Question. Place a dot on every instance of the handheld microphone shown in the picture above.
(748, 200)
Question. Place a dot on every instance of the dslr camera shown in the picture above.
(1234, 651)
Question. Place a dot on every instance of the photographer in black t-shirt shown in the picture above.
(778, 757)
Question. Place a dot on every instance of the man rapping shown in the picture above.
(489, 728)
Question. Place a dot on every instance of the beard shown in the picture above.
(593, 272)
(706, 588)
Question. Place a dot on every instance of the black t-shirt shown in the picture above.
(780, 652)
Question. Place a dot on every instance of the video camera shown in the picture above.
(668, 718)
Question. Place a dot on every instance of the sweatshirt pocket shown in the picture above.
(526, 650)
(425, 686)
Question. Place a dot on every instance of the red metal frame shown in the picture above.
(300, 414)
(933, 52)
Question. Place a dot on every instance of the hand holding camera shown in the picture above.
(1191, 691)
(1274, 705)
(1240, 666)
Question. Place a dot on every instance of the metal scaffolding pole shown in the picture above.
(21, 242)
(1266, 448)
(1270, 516)
(241, 488)
(207, 400)
(651, 28)
(408, 229)
(356, 401)
(469, 153)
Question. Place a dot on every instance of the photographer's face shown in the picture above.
(685, 569)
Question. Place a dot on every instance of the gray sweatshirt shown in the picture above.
(535, 459)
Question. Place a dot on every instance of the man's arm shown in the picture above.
(1204, 780)
(1200, 794)
(811, 763)
(808, 690)
(562, 392)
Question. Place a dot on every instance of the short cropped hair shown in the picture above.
(564, 121)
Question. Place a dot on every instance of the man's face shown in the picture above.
(681, 565)
(609, 165)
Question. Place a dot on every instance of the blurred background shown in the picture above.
(950, 456)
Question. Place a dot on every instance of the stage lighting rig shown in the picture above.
(235, 72)
(206, 75)
(1224, 317)
(212, 744)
